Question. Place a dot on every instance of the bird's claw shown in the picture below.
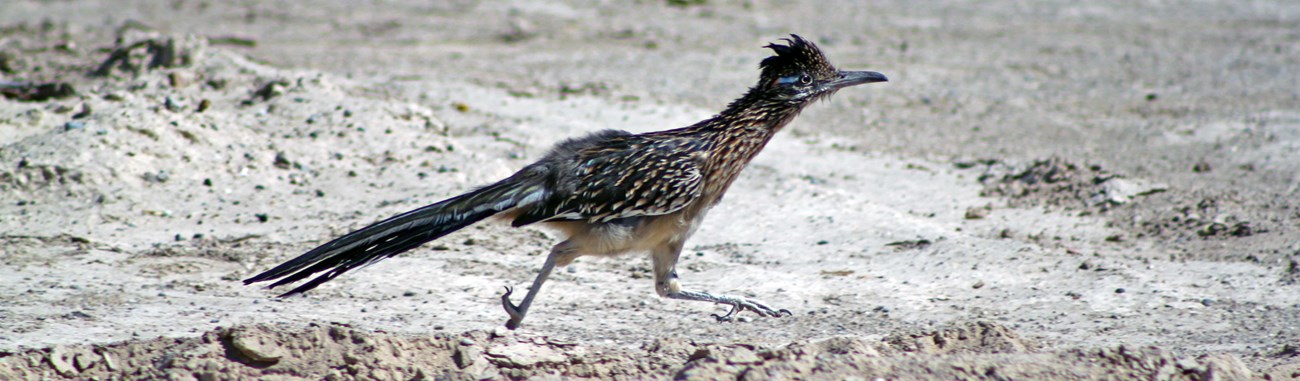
(761, 309)
(505, 301)
(516, 317)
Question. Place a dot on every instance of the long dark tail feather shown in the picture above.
(398, 234)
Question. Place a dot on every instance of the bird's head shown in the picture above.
(800, 73)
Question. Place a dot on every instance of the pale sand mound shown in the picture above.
(976, 350)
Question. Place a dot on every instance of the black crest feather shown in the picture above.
(797, 56)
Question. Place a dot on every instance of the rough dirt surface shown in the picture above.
(1045, 190)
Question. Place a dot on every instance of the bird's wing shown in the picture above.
(623, 177)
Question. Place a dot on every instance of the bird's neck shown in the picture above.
(756, 112)
(739, 133)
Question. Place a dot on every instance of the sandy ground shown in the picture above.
(1044, 190)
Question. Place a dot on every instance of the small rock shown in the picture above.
(467, 341)
(282, 161)
(108, 361)
(58, 359)
(977, 213)
(1206, 302)
(1119, 290)
(1117, 191)
(1242, 229)
(179, 79)
(560, 342)
(174, 104)
(743, 356)
(700, 353)
(84, 361)
(978, 285)
(524, 356)
(420, 375)
(1189, 365)
(217, 83)
(465, 355)
(85, 111)
(1211, 229)
(271, 90)
(74, 125)
(1201, 167)
(1223, 366)
(255, 346)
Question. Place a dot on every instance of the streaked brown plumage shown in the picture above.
(610, 192)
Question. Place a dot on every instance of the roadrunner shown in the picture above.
(610, 192)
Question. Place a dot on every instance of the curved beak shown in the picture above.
(851, 78)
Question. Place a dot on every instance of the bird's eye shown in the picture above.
(805, 79)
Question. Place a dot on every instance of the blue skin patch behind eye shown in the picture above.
(788, 79)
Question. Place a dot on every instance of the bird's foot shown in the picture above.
(737, 304)
(742, 304)
(516, 313)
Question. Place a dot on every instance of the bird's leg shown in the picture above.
(517, 312)
(665, 263)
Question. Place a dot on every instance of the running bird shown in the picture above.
(610, 192)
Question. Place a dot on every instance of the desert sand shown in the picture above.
(1044, 190)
